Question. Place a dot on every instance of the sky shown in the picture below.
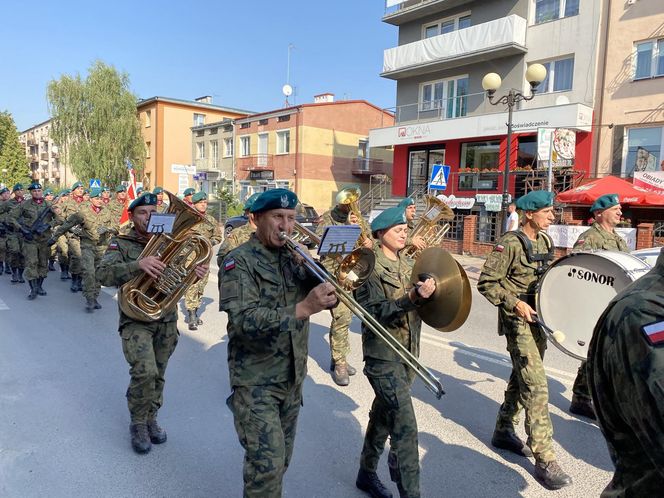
(237, 52)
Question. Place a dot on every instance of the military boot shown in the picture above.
(551, 476)
(349, 367)
(51, 265)
(89, 305)
(8, 268)
(157, 434)
(192, 320)
(97, 305)
(198, 318)
(370, 483)
(340, 374)
(79, 282)
(33, 289)
(72, 287)
(14, 279)
(64, 272)
(508, 440)
(140, 439)
(583, 407)
(2, 267)
(40, 289)
(20, 276)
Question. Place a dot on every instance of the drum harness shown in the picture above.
(542, 259)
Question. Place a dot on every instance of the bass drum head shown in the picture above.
(576, 290)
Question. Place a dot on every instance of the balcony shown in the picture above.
(500, 38)
(364, 166)
(255, 162)
(410, 10)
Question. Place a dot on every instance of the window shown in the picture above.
(200, 150)
(480, 155)
(559, 76)
(263, 122)
(446, 26)
(214, 152)
(527, 154)
(550, 10)
(245, 146)
(283, 118)
(447, 95)
(228, 147)
(199, 119)
(283, 142)
(148, 146)
(148, 119)
(245, 125)
(644, 150)
(213, 131)
(649, 59)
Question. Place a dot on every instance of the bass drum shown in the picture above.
(576, 289)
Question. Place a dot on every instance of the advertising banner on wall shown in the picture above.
(457, 202)
(566, 235)
(556, 148)
(650, 180)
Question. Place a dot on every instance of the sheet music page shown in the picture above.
(338, 239)
(161, 222)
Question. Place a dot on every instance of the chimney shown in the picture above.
(205, 99)
(323, 98)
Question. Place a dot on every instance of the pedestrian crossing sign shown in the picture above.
(95, 183)
(439, 175)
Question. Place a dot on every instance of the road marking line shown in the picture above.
(3, 306)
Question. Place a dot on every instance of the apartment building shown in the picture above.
(313, 149)
(443, 116)
(630, 105)
(166, 125)
(212, 153)
(44, 156)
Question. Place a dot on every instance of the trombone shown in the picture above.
(431, 381)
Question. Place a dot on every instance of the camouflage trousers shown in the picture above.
(3, 248)
(194, 294)
(265, 420)
(74, 252)
(147, 348)
(62, 249)
(527, 388)
(581, 391)
(392, 415)
(15, 251)
(36, 259)
(90, 258)
(339, 343)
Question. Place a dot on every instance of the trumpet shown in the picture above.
(351, 196)
(430, 380)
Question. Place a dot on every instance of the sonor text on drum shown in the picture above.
(591, 276)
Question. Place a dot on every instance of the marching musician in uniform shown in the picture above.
(626, 378)
(269, 298)
(147, 346)
(392, 300)
(211, 231)
(14, 242)
(602, 235)
(239, 235)
(507, 280)
(408, 204)
(4, 254)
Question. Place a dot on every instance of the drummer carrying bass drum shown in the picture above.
(508, 279)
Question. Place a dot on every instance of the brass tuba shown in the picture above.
(148, 299)
(428, 226)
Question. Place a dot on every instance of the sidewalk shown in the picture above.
(472, 265)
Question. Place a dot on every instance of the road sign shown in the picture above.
(95, 183)
(439, 175)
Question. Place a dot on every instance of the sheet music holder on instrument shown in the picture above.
(338, 240)
(161, 223)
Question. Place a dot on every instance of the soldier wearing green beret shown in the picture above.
(269, 298)
(147, 346)
(49, 197)
(626, 379)
(4, 256)
(508, 278)
(239, 235)
(162, 206)
(106, 195)
(67, 208)
(408, 204)
(15, 252)
(600, 236)
(212, 232)
(187, 194)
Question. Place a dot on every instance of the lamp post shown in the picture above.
(535, 74)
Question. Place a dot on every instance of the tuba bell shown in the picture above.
(148, 299)
(429, 225)
(351, 197)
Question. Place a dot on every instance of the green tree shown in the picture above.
(95, 124)
(229, 205)
(12, 153)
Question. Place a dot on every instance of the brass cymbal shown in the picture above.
(449, 307)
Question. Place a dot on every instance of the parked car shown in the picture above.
(649, 255)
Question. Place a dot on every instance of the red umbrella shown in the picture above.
(627, 193)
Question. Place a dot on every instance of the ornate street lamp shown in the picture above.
(535, 74)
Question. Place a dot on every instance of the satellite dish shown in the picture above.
(562, 100)
(287, 90)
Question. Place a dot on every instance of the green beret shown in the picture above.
(76, 185)
(120, 188)
(48, 191)
(276, 198)
(35, 186)
(392, 216)
(408, 201)
(605, 202)
(139, 190)
(189, 191)
(3, 190)
(250, 201)
(157, 190)
(147, 199)
(95, 192)
(199, 196)
(105, 189)
(18, 186)
(535, 200)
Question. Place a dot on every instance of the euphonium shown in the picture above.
(428, 226)
(148, 299)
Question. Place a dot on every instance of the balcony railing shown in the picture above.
(502, 37)
(367, 166)
(397, 13)
(255, 162)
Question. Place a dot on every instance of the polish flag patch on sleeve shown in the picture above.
(499, 248)
(654, 333)
(113, 246)
(229, 264)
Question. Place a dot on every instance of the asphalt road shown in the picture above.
(64, 421)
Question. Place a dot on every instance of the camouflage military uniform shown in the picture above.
(507, 277)
(626, 377)
(594, 239)
(267, 358)
(341, 315)
(211, 232)
(385, 297)
(236, 238)
(4, 254)
(69, 207)
(15, 253)
(147, 346)
(161, 208)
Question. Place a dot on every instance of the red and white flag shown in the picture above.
(131, 192)
(654, 333)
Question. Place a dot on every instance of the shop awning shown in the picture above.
(628, 194)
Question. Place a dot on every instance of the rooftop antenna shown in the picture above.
(287, 89)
